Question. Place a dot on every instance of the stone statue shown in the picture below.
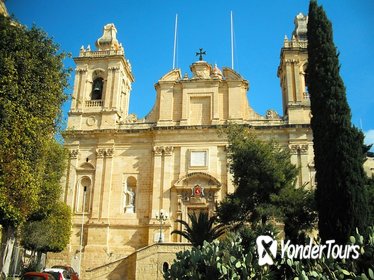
(129, 200)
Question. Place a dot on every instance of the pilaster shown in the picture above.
(157, 180)
(97, 190)
(168, 173)
(71, 177)
(107, 183)
(115, 87)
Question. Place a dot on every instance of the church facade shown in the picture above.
(124, 172)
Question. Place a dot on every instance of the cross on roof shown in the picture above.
(201, 53)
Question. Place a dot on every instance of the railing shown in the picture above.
(94, 103)
(295, 43)
(100, 53)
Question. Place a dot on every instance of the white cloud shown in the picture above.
(369, 138)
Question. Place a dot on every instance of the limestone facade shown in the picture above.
(123, 171)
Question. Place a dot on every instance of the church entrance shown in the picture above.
(194, 193)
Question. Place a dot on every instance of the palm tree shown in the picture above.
(201, 229)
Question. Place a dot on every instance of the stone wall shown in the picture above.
(146, 263)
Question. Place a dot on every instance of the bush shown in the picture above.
(228, 259)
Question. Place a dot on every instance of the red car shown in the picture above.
(72, 274)
(37, 276)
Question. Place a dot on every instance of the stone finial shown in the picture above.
(301, 22)
(108, 41)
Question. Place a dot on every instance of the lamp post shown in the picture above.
(161, 217)
(81, 241)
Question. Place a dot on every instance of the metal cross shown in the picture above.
(201, 53)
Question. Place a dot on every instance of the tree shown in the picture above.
(202, 229)
(297, 210)
(265, 186)
(52, 233)
(338, 146)
(32, 80)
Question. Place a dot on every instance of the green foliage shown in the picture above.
(32, 80)
(338, 146)
(370, 197)
(265, 181)
(297, 208)
(217, 260)
(229, 259)
(202, 228)
(52, 233)
(324, 268)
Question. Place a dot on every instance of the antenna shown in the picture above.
(232, 43)
(175, 38)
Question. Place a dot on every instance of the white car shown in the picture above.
(58, 273)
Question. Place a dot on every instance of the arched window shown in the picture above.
(97, 89)
(165, 267)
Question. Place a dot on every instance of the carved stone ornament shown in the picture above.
(73, 153)
(100, 153)
(132, 118)
(158, 150)
(198, 191)
(296, 148)
(91, 120)
(168, 150)
(80, 69)
(114, 68)
(272, 115)
(109, 39)
(109, 152)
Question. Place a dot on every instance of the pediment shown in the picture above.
(86, 167)
(173, 75)
(191, 179)
(230, 74)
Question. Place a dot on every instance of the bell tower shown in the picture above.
(102, 84)
(292, 74)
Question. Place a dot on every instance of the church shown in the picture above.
(128, 180)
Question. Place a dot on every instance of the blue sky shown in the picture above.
(146, 30)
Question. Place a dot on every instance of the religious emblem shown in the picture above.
(200, 54)
(197, 191)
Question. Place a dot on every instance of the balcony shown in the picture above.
(94, 103)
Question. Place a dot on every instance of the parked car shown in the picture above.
(58, 273)
(73, 275)
(37, 276)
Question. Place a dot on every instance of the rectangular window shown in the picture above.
(198, 159)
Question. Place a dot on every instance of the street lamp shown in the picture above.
(161, 217)
(81, 241)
